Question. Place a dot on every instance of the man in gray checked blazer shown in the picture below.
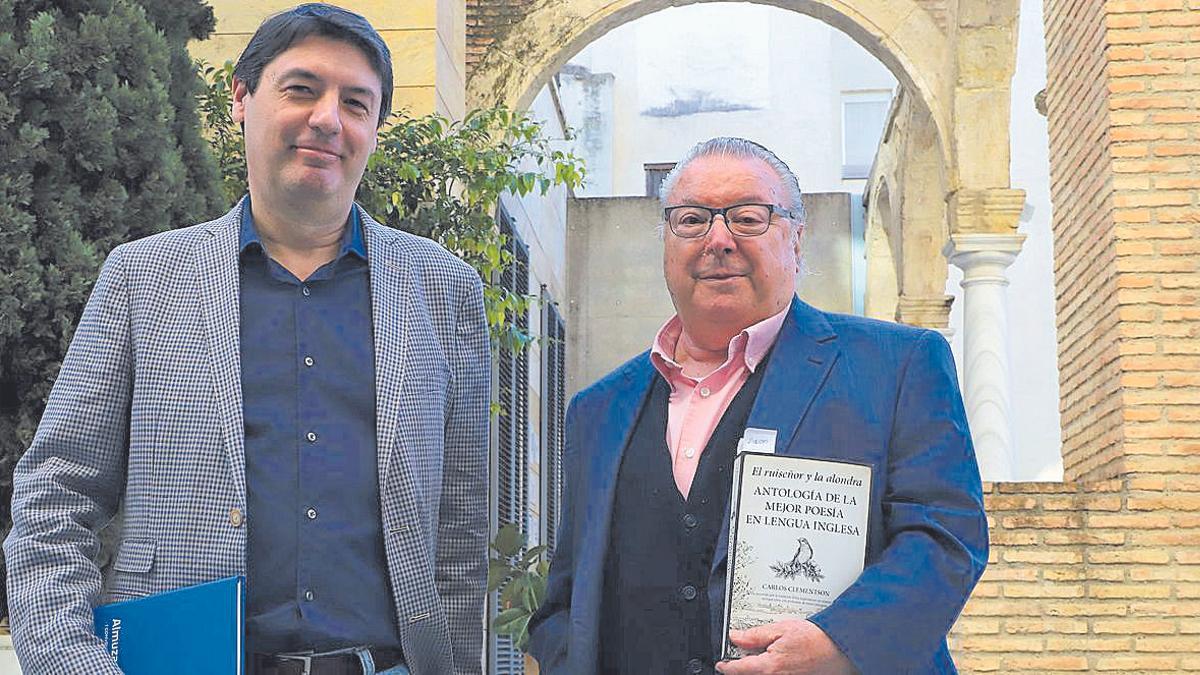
(292, 392)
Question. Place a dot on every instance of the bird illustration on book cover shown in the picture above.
(801, 564)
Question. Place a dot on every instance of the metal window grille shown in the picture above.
(554, 408)
(511, 446)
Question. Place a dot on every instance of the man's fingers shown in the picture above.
(756, 638)
(748, 665)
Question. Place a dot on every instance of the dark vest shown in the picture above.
(655, 614)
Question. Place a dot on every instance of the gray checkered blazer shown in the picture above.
(146, 414)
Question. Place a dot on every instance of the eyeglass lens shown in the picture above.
(744, 220)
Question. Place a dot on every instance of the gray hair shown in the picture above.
(728, 146)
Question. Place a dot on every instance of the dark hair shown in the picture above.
(282, 30)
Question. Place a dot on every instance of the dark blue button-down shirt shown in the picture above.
(316, 569)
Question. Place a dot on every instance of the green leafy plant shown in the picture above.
(99, 144)
(520, 576)
(216, 111)
(436, 178)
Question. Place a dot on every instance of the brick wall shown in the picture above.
(1084, 247)
(1154, 77)
(488, 21)
(1124, 109)
(1088, 577)
(1102, 573)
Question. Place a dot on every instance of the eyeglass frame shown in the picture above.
(772, 209)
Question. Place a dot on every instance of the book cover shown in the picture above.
(797, 538)
(197, 630)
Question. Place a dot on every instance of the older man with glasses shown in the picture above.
(638, 582)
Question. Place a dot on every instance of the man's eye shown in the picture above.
(299, 89)
(691, 219)
(357, 103)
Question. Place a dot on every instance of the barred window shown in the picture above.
(554, 408)
(510, 458)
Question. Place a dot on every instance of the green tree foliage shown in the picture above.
(435, 178)
(98, 145)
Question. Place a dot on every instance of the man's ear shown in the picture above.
(238, 102)
(797, 237)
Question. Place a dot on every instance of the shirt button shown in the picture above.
(311, 436)
(311, 513)
(305, 291)
(308, 361)
(690, 521)
(688, 592)
(308, 595)
(695, 666)
(705, 392)
(689, 453)
(235, 517)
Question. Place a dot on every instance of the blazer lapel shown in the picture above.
(391, 306)
(217, 279)
(800, 362)
(802, 357)
(610, 427)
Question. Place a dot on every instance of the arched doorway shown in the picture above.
(900, 33)
(954, 62)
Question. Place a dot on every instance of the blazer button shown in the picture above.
(235, 517)
(688, 592)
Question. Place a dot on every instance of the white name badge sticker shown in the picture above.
(757, 440)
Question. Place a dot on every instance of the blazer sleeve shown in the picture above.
(548, 627)
(67, 485)
(461, 566)
(897, 614)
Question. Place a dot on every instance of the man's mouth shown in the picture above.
(319, 152)
(719, 276)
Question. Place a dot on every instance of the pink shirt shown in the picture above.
(696, 405)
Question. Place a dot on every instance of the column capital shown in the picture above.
(983, 258)
(987, 211)
(926, 311)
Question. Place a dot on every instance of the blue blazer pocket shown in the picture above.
(135, 555)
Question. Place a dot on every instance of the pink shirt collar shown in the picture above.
(750, 346)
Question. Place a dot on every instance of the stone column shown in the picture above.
(983, 258)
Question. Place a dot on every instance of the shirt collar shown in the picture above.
(751, 344)
(352, 236)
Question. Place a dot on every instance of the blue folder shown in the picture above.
(196, 630)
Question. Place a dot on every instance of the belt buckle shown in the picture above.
(304, 659)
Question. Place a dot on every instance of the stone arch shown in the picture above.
(923, 299)
(905, 200)
(900, 33)
(883, 255)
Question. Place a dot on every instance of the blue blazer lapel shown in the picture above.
(800, 363)
(218, 281)
(802, 357)
(610, 428)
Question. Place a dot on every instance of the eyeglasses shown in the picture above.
(689, 221)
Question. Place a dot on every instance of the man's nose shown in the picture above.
(325, 116)
(719, 238)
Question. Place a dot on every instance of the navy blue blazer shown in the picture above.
(836, 387)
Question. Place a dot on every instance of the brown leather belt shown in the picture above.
(344, 663)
